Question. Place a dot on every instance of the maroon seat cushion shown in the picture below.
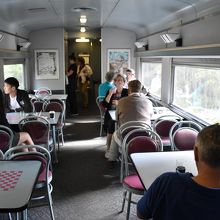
(141, 144)
(163, 127)
(184, 139)
(133, 181)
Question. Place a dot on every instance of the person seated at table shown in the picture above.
(184, 196)
(135, 107)
(15, 99)
(20, 138)
(110, 102)
(130, 74)
(104, 87)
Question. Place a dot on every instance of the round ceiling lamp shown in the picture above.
(83, 19)
(82, 29)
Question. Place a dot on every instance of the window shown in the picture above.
(17, 71)
(197, 91)
(151, 77)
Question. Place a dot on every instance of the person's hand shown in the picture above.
(112, 91)
(115, 102)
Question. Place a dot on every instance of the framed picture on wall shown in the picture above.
(118, 60)
(46, 64)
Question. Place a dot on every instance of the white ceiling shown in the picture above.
(141, 16)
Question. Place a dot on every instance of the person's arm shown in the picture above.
(110, 93)
(107, 100)
(6, 103)
(69, 72)
(24, 102)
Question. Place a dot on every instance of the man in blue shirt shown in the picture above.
(176, 196)
(104, 87)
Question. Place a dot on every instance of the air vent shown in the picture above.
(37, 10)
(83, 9)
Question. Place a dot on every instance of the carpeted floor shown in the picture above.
(85, 188)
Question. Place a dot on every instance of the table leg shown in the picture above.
(54, 142)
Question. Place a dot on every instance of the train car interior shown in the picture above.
(172, 47)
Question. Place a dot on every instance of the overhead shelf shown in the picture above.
(199, 51)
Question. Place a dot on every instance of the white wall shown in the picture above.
(48, 39)
(113, 38)
(202, 32)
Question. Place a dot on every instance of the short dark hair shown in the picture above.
(12, 81)
(129, 70)
(208, 142)
(72, 57)
(120, 75)
(81, 60)
(134, 86)
(109, 76)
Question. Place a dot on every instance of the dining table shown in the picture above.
(158, 112)
(17, 181)
(150, 165)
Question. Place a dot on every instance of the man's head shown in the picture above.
(11, 85)
(81, 61)
(130, 74)
(109, 76)
(208, 146)
(134, 86)
(72, 58)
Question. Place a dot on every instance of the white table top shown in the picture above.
(17, 179)
(14, 117)
(151, 165)
(55, 96)
(159, 111)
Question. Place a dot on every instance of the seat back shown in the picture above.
(183, 135)
(1, 155)
(184, 138)
(38, 128)
(102, 111)
(57, 107)
(140, 140)
(43, 92)
(162, 126)
(62, 103)
(6, 137)
(131, 125)
(37, 104)
(41, 154)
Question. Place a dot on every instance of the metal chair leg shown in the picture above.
(129, 205)
(62, 138)
(50, 203)
(123, 202)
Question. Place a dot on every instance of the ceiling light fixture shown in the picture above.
(82, 29)
(82, 40)
(83, 19)
(140, 44)
(169, 38)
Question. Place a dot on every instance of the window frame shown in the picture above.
(152, 61)
(194, 63)
(15, 62)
